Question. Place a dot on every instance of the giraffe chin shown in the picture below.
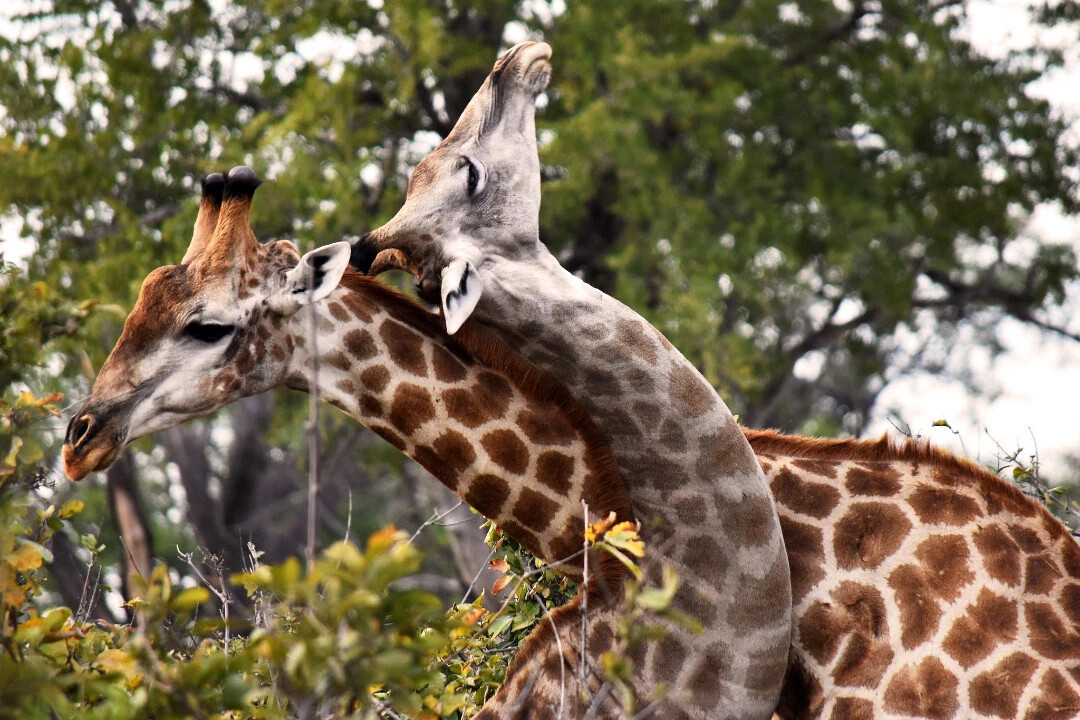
(78, 465)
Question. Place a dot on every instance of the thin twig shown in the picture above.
(436, 516)
(222, 594)
(585, 603)
(313, 419)
(487, 563)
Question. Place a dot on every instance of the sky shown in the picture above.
(1027, 396)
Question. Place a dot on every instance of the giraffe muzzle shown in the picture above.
(89, 445)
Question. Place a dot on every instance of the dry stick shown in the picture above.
(140, 618)
(476, 577)
(585, 605)
(436, 516)
(222, 595)
(313, 421)
(348, 520)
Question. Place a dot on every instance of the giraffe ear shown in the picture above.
(314, 277)
(461, 290)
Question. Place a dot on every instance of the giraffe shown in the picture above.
(922, 586)
(488, 251)
(498, 432)
(469, 231)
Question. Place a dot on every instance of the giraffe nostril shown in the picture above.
(80, 430)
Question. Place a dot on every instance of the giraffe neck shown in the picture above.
(500, 434)
(693, 480)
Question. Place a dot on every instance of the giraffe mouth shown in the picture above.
(537, 72)
(80, 463)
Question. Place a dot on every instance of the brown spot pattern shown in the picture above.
(338, 359)
(1056, 701)
(545, 426)
(370, 405)
(535, 510)
(455, 450)
(937, 505)
(447, 368)
(375, 378)
(506, 450)
(749, 523)
(805, 550)
(1049, 636)
(555, 469)
(487, 493)
(689, 393)
(883, 481)
(997, 691)
(411, 408)
(634, 337)
(920, 611)
(1000, 555)
(989, 622)
(868, 533)
(925, 690)
(405, 346)
(338, 311)
(360, 344)
(852, 709)
(803, 497)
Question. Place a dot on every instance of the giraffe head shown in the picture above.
(194, 341)
(476, 196)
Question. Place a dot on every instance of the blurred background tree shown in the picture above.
(767, 182)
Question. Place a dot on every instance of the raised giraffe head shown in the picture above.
(192, 342)
(476, 196)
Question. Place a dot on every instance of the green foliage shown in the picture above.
(338, 636)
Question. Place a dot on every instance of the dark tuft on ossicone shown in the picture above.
(213, 185)
(241, 182)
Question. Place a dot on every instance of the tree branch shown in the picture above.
(841, 30)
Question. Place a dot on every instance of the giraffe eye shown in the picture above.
(207, 332)
(474, 178)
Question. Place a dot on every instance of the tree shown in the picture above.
(767, 182)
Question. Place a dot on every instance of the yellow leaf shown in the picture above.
(500, 584)
(625, 536)
(16, 445)
(71, 507)
(473, 616)
(25, 558)
(116, 661)
(380, 540)
(597, 528)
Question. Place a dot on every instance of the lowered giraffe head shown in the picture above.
(192, 343)
(476, 197)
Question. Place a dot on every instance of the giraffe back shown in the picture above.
(922, 585)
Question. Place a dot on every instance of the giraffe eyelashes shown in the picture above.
(207, 332)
